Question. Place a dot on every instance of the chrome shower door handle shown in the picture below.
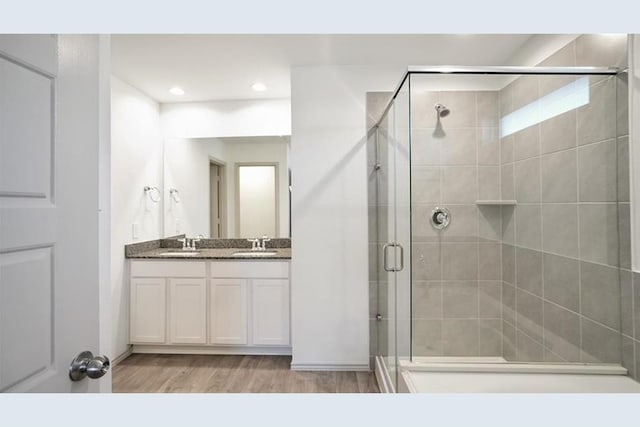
(385, 257)
(398, 245)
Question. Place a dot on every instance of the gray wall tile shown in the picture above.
(622, 101)
(427, 337)
(425, 149)
(460, 337)
(559, 132)
(459, 184)
(507, 149)
(597, 119)
(529, 270)
(509, 264)
(525, 91)
(623, 169)
(599, 344)
(488, 183)
(490, 337)
(628, 356)
(487, 109)
(598, 233)
(509, 303)
(508, 218)
(527, 174)
(626, 302)
(559, 177)
(560, 229)
(508, 341)
(459, 147)
(600, 293)
(529, 314)
(624, 234)
(488, 146)
(460, 261)
(425, 261)
(490, 299)
(526, 143)
(562, 332)
(423, 114)
(463, 223)
(427, 300)
(529, 226)
(561, 281)
(460, 299)
(528, 350)
(425, 184)
(507, 182)
(489, 222)
(462, 107)
(597, 170)
(489, 267)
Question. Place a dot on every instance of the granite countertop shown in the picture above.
(209, 253)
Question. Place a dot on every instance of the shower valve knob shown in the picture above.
(440, 218)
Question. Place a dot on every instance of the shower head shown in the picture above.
(441, 110)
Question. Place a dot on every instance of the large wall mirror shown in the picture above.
(235, 187)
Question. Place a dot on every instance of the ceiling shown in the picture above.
(223, 67)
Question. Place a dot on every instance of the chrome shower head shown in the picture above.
(441, 110)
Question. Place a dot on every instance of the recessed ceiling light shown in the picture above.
(178, 91)
(259, 87)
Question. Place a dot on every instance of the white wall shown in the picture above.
(226, 118)
(136, 161)
(329, 267)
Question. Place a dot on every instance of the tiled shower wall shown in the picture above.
(564, 240)
(456, 272)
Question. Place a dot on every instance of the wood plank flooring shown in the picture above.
(160, 373)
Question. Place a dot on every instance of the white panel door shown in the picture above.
(188, 311)
(148, 310)
(228, 312)
(49, 210)
(270, 311)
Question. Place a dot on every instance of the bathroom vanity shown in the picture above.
(215, 301)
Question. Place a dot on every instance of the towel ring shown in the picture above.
(175, 195)
(150, 192)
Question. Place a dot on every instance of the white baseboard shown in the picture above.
(128, 352)
(330, 367)
(192, 349)
(382, 376)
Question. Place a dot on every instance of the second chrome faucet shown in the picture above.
(259, 243)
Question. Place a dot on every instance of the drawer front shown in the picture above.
(250, 269)
(168, 269)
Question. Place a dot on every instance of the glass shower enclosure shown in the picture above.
(498, 216)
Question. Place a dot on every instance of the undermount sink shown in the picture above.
(180, 253)
(250, 254)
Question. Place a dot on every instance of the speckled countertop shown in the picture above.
(209, 253)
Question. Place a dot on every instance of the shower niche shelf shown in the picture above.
(496, 202)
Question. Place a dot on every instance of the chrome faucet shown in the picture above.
(263, 244)
(255, 244)
(190, 244)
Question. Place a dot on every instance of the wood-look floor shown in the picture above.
(159, 373)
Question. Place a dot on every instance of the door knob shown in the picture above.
(87, 365)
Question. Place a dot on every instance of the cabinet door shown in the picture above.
(148, 310)
(270, 311)
(228, 315)
(188, 311)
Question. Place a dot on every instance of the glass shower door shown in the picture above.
(394, 232)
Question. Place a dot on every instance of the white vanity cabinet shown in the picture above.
(168, 302)
(210, 307)
(250, 303)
